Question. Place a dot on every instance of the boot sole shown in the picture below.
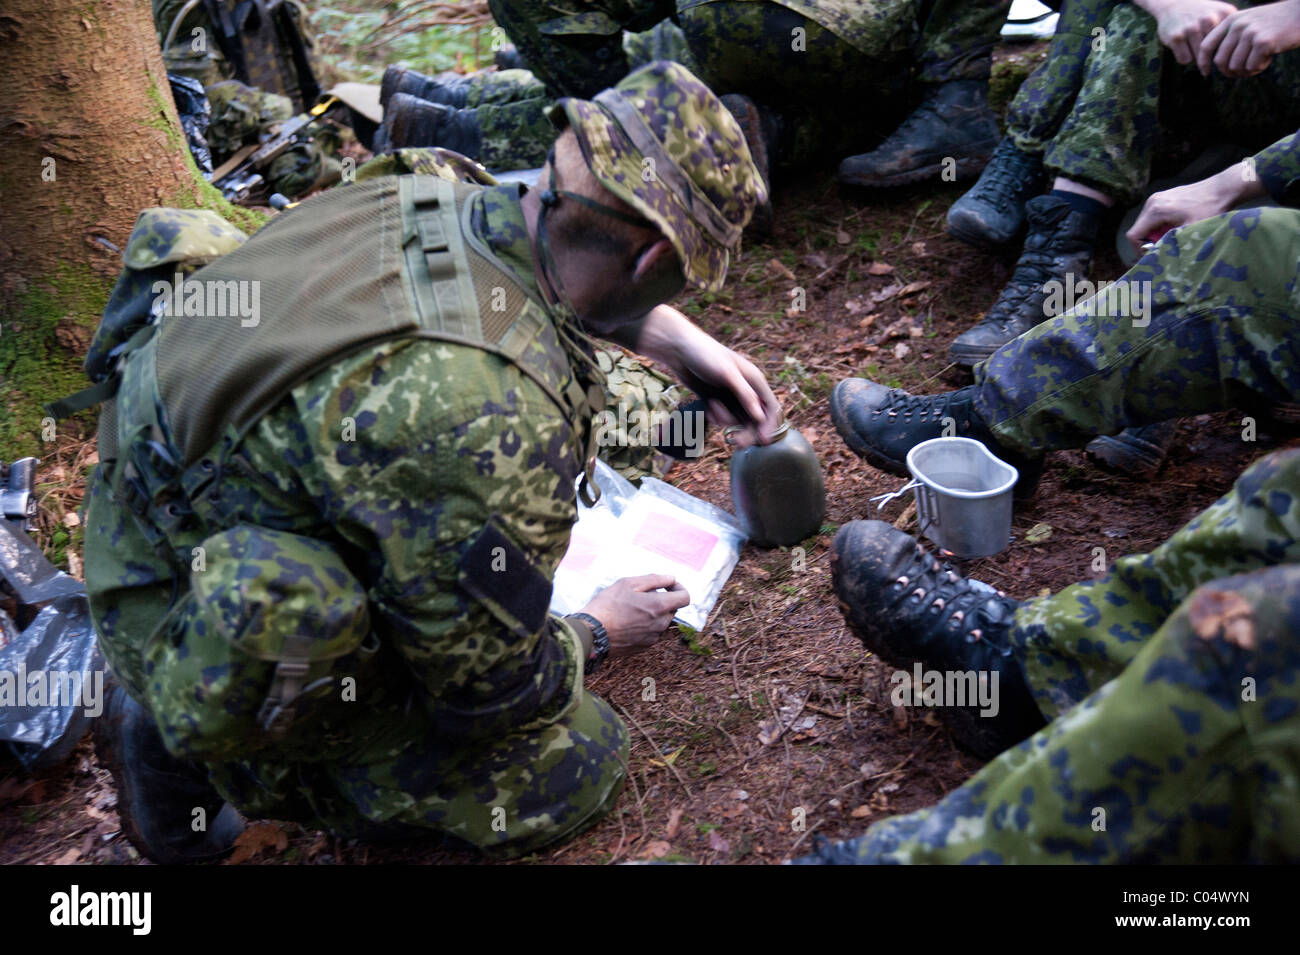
(969, 355)
(980, 240)
(966, 168)
(1116, 455)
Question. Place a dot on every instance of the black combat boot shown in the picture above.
(954, 123)
(992, 212)
(759, 127)
(157, 794)
(907, 608)
(882, 424)
(1136, 452)
(509, 58)
(409, 121)
(1058, 249)
(453, 91)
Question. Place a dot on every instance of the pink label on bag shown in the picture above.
(675, 539)
(581, 553)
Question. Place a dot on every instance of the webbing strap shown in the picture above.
(435, 257)
(97, 394)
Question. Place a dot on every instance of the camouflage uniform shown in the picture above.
(1133, 96)
(850, 50)
(509, 106)
(1173, 679)
(469, 717)
(1044, 100)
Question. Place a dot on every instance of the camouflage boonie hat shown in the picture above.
(700, 186)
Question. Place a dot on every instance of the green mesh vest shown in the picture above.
(400, 261)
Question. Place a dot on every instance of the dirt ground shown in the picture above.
(774, 714)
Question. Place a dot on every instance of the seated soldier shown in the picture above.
(826, 75)
(1224, 77)
(321, 537)
(1172, 681)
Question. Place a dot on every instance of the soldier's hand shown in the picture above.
(1191, 203)
(637, 610)
(1245, 43)
(1183, 24)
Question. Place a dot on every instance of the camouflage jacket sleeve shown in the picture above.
(452, 475)
(1278, 166)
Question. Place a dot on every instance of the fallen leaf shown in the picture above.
(1039, 533)
(885, 294)
(669, 759)
(69, 857)
(880, 268)
(911, 288)
(918, 248)
(861, 812)
(674, 823)
(842, 237)
(740, 794)
(869, 320)
(70, 519)
(915, 331)
(776, 265)
(257, 837)
(717, 843)
(656, 850)
(901, 350)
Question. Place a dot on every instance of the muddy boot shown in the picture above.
(992, 212)
(409, 121)
(453, 92)
(1135, 452)
(907, 608)
(1058, 249)
(158, 794)
(954, 123)
(758, 127)
(882, 424)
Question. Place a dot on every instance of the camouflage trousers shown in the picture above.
(510, 106)
(1044, 100)
(1134, 98)
(743, 46)
(1173, 680)
(507, 797)
(1188, 754)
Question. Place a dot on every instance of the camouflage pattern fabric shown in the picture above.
(191, 54)
(1173, 680)
(1187, 756)
(1044, 100)
(576, 48)
(1134, 97)
(844, 51)
(442, 478)
(1221, 334)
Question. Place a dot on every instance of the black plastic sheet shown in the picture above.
(195, 112)
(52, 675)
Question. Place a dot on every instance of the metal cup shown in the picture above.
(963, 495)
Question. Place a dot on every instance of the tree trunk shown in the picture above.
(89, 136)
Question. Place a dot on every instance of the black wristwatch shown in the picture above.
(599, 641)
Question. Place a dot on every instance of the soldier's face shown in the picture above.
(626, 287)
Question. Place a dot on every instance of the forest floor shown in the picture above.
(773, 714)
